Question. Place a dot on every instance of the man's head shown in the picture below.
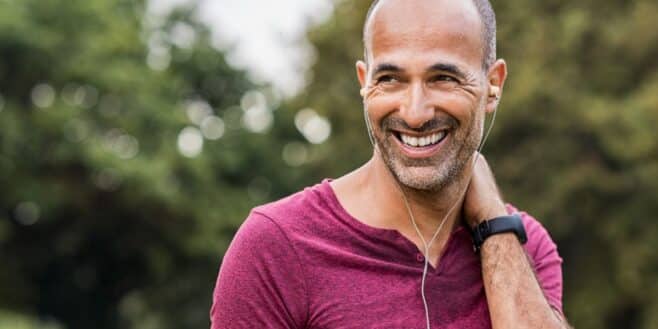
(487, 17)
(428, 79)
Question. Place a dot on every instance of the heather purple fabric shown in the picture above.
(304, 262)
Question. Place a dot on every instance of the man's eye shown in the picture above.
(443, 78)
(386, 79)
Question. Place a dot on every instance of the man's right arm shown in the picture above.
(261, 282)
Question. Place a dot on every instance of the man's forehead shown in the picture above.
(424, 12)
(423, 24)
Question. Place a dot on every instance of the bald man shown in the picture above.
(419, 236)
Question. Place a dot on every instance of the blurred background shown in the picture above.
(136, 135)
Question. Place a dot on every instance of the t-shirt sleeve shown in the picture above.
(260, 282)
(546, 261)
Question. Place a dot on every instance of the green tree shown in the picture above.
(111, 216)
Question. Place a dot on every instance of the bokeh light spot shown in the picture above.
(43, 95)
(251, 99)
(182, 35)
(158, 58)
(85, 96)
(197, 110)
(212, 127)
(294, 154)
(69, 94)
(76, 130)
(123, 145)
(273, 97)
(257, 119)
(190, 142)
(126, 147)
(315, 128)
(157, 38)
(27, 213)
(257, 116)
(88, 96)
(302, 117)
(110, 137)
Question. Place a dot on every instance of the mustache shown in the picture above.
(394, 123)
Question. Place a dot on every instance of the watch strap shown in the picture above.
(502, 224)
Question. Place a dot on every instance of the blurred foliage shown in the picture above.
(104, 223)
(113, 215)
(16, 321)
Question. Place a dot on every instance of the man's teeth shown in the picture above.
(424, 140)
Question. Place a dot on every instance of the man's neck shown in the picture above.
(428, 208)
(372, 195)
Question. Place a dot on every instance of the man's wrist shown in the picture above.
(491, 212)
(497, 226)
(505, 237)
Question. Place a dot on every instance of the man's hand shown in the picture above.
(482, 200)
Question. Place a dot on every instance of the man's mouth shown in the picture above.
(419, 141)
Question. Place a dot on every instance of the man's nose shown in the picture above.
(416, 109)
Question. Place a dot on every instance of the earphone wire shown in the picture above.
(427, 245)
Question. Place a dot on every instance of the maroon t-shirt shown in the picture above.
(304, 262)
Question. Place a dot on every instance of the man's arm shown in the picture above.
(515, 298)
(514, 295)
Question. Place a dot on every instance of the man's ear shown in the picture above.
(495, 80)
(362, 73)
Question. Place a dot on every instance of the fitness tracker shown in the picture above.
(503, 224)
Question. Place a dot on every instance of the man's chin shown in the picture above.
(427, 179)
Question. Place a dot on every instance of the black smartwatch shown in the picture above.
(503, 224)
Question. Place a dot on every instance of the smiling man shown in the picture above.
(391, 244)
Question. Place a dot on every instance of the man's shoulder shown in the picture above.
(295, 209)
(539, 239)
(279, 223)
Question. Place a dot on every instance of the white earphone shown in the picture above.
(494, 91)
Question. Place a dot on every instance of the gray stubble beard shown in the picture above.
(444, 173)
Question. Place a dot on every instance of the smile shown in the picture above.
(422, 141)
(421, 146)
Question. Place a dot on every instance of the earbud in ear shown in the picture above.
(363, 91)
(494, 91)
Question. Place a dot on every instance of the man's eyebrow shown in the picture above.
(450, 68)
(386, 67)
(442, 67)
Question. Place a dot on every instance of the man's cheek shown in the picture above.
(382, 105)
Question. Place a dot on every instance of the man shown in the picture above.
(389, 245)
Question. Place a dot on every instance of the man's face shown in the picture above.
(425, 88)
